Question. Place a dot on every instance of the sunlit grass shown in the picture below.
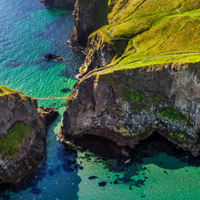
(5, 91)
(156, 28)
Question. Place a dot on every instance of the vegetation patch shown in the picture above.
(91, 52)
(5, 91)
(181, 137)
(154, 32)
(174, 115)
(142, 100)
(9, 143)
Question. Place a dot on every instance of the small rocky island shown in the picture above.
(52, 57)
(22, 134)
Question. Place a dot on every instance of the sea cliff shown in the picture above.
(124, 108)
(22, 134)
(139, 76)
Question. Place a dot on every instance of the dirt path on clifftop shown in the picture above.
(122, 39)
(106, 68)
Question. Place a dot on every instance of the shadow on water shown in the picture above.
(155, 150)
(63, 162)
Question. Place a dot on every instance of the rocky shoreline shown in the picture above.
(23, 135)
(121, 106)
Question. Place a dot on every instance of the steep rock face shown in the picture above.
(88, 17)
(124, 108)
(99, 55)
(64, 4)
(22, 136)
(47, 115)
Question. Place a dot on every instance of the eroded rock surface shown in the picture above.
(88, 17)
(47, 114)
(22, 135)
(129, 105)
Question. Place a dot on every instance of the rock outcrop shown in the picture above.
(88, 17)
(129, 105)
(22, 135)
(63, 4)
(52, 57)
(47, 115)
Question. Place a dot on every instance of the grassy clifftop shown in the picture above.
(5, 91)
(155, 31)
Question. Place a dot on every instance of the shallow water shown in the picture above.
(27, 32)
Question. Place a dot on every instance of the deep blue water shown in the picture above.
(27, 32)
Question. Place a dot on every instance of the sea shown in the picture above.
(155, 170)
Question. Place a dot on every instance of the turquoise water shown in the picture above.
(27, 32)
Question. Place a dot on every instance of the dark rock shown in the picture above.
(103, 99)
(124, 152)
(47, 114)
(65, 90)
(36, 191)
(52, 57)
(102, 184)
(18, 110)
(63, 4)
(92, 177)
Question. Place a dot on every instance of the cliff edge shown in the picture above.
(140, 75)
(22, 135)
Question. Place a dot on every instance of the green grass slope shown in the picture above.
(9, 92)
(156, 32)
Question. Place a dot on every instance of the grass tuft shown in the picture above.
(9, 143)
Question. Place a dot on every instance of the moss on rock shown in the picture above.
(10, 143)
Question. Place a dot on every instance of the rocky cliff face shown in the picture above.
(88, 17)
(128, 106)
(22, 135)
(99, 55)
(64, 4)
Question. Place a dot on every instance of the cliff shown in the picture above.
(141, 73)
(128, 31)
(89, 16)
(129, 105)
(63, 4)
(22, 135)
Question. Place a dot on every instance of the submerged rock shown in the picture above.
(64, 4)
(65, 90)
